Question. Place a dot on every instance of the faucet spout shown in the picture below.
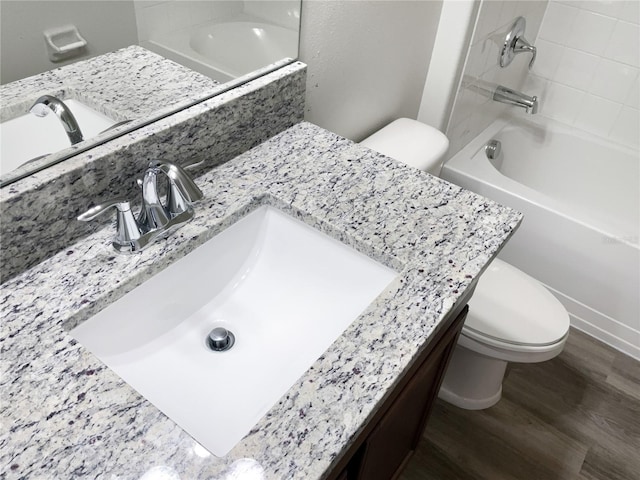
(46, 103)
(153, 215)
(182, 192)
(518, 99)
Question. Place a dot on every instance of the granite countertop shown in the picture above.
(66, 415)
(154, 86)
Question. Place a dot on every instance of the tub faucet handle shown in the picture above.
(523, 46)
(515, 43)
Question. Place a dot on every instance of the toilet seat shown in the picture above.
(513, 317)
(507, 353)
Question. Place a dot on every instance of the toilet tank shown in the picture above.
(411, 142)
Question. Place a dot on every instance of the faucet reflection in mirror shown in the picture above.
(48, 103)
(155, 218)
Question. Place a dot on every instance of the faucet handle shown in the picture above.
(523, 46)
(127, 229)
(193, 163)
(514, 43)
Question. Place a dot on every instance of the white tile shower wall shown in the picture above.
(473, 109)
(588, 67)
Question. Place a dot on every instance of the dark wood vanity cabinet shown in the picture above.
(389, 439)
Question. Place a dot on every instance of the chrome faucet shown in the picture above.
(513, 97)
(182, 192)
(46, 103)
(515, 43)
(155, 218)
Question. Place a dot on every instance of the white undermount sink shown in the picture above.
(284, 289)
(28, 136)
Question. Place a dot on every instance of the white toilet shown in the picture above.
(512, 317)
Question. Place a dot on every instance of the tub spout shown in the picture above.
(47, 103)
(513, 97)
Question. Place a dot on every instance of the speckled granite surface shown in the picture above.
(153, 86)
(41, 209)
(65, 415)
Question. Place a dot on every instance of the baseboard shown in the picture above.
(600, 326)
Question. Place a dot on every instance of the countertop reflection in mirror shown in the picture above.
(192, 51)
(129, 84)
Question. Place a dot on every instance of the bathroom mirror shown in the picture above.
(91, 53)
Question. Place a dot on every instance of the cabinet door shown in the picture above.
(393, 440)
(343, 476)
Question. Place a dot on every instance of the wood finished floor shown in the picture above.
(574, 417)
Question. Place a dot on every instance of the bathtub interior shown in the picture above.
(591, 267)
(601, 178)
(175, 50)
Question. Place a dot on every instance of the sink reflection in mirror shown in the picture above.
(287, 292)
(30, 136)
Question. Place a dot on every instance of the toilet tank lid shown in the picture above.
(411, 142)
(511, 307)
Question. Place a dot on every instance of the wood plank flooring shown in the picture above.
(576, 417)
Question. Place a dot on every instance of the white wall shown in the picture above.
(473, 108)
(449, 52)
(367, 61)
(589, 66)
(106, 25)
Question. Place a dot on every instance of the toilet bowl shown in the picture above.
(512, 317)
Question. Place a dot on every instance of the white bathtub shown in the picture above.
(227, 50)
(580, 236)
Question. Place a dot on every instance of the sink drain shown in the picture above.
(220, 339)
